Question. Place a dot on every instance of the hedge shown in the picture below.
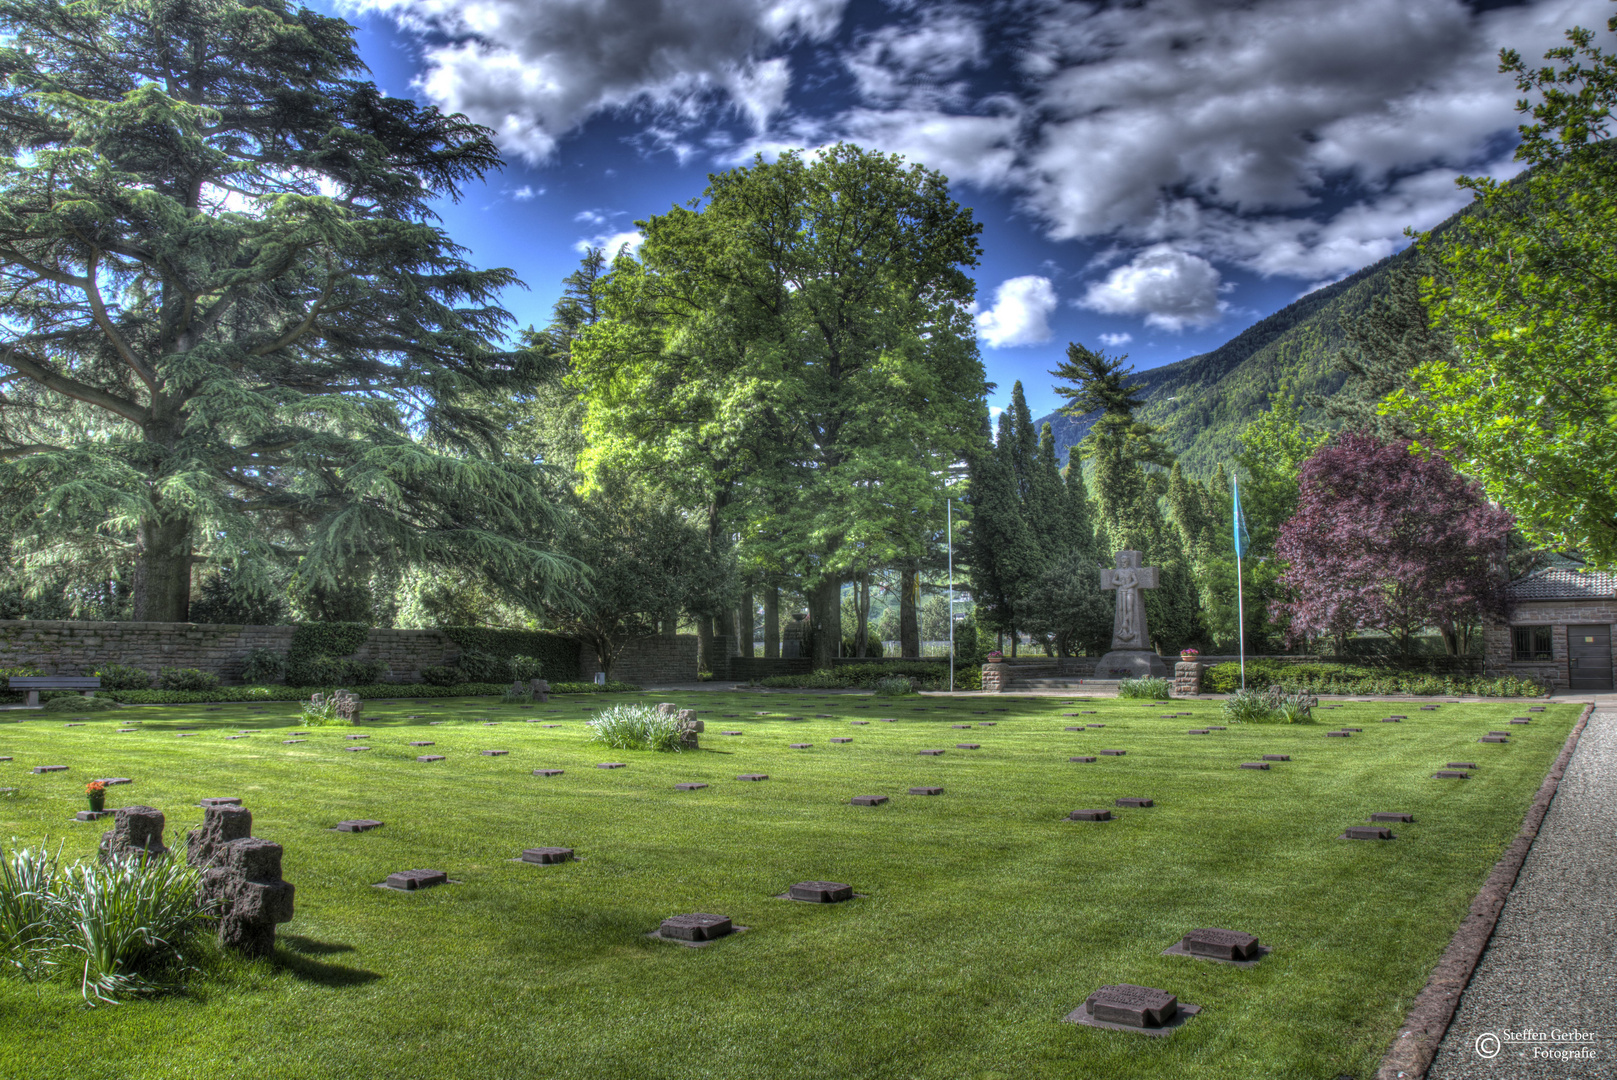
(557, 654)
(231, 694)
(1354, 679)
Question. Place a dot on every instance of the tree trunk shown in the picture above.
(909, 622)
(746, 621)
(826, 605)
(726, 628)
(162, 587)
(772, 622)
(704, 643)
(861, 614)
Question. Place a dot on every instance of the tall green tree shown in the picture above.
(232, 327)
(1528, 405)
(800, 338)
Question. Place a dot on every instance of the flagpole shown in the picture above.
(948, 505)
(1240, 601)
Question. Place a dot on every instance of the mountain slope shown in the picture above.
(1202, 403)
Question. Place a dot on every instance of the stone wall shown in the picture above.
(78, 648)
(1187, 678)
(648, 661)
(1558, 615)
(995, 678)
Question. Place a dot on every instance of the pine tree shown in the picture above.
(997, 546)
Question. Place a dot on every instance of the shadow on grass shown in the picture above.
(295, 958)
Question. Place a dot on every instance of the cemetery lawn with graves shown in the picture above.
(984, 917)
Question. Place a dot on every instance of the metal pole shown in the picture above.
(1240, 603)
(948, 505)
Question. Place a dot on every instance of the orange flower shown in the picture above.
(94, 786)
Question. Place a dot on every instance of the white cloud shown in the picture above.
(526, 192)
(535, 69)
(1021, 313)
(1172, 289)
(1114, 341)
(612, 243)
(909, 63)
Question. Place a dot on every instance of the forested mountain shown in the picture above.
(1202, 403)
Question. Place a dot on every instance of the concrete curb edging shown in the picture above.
(1428, 1020)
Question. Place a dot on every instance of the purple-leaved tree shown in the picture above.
(1384, 539)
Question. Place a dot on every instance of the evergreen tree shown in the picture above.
(997, 546)
(233, 330)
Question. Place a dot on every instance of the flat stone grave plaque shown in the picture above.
(129, 730)
(1392, 720)
(208, 804)
(1084, 760)
(352, 749)
(1254, 764)
(1213, 943)
(1506, 733)
(1450, 774)
(926, 791)
(927, 753)
(361, 825)
(1126, 1007)
(822, 716)
(1072, 729)
(610, 765)
(960, 725)
(92, 815)
(842, 739)
(424, 742)
(1367, 832)
(1535, 708)
(968, 746)
(550, 725)
(1130, 800)
(1460, 765)
(1198, 731)
(1113, 753)
(245, 736)
(860, 723)
(430, 757)
(1494, 739)
(546, 856)
(753, 776)
(356, 736)
(434, 723)
(7, 758)
(1216, 727)
(689, 787)
(888, 720)
(1090, 815)
(72, 725)
(729, 733)
(1392, 816)
(184, 734)
(1339, 734)
(820, 892)
(1428, 708)
(411, 880)
(1520, 720)
(1355, 730)
(791, 718)
(867, 800)
(800, 746)
(548, 772)
(979, 712)
(495, 753)
(987, 723)
(114, 781)
(287, 742)
(1276, 757)
(1094, 725)
(1398, 716)
(1087, 712)
(698, 926)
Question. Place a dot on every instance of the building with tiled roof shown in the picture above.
(1560, 629)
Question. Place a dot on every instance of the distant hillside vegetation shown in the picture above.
(1203, 403)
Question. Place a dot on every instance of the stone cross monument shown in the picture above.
(1131, 655)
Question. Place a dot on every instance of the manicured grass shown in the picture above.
(986, 917)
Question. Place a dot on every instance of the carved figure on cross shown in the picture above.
(1129, 577)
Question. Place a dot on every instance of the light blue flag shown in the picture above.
(1242, 537)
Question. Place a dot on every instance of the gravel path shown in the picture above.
(1550, 969)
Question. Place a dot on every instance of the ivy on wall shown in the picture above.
(332, 639)
(557, 654)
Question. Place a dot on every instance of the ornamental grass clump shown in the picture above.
(127, 928)
(894, 686)
(635, 727)
(1272, 706)
(1149, 689)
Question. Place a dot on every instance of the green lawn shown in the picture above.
(986, 917)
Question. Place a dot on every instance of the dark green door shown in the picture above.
(1589, 649)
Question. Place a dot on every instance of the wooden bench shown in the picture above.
(85, 684)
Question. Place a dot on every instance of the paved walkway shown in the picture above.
(1550, 969)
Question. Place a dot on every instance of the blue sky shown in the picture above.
(1152, 177)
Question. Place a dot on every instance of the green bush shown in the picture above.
(442, 675)
(334, 671)
(922, 675)
(320, 713)
(122, 677)
(894, 686)
(77, 703)
(478, 666)
(186, 678)
(1271, 706)
(226, 694)
(1357, 680)
(556, 654)
(873, 647)
(524, 668)
(635, 727)
(260, 668)
(1149, 689)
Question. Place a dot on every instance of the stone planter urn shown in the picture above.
(97, 794)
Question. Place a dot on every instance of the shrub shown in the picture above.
(635, 727)
(334, 671)
(122, 677)
(187, 678)
(319, 712)
(26, 879)
(77, 703)
(261, 667)
(1150, 689)
(524, 668)
(442, 675)
(1359, 680)
(894, 686)
(479, 666)
(873, 647)
(557, 654)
